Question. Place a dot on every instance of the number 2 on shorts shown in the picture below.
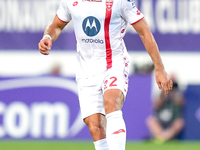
(113, 81)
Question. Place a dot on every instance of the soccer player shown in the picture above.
(167, 122)
(102, 74)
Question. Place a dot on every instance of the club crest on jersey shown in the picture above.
(91, 26)
(109, 4)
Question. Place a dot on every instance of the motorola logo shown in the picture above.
(91, 26)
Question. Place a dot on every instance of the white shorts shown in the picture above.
(91, 89)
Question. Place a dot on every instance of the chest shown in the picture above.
(80, 9)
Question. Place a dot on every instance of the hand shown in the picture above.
(163, 80)
(44, 45)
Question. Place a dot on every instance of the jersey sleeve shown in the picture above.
(130, 12)
(63, 12)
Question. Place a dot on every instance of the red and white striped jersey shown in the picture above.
(99, 26)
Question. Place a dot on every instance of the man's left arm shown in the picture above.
(162, 78)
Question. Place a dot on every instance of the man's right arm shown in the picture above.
(51, 33)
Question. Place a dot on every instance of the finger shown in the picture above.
(166, 92)
(43, 47)
(45, 53)
(160, 86)
(167, 88)
(168, 85)
(171, 84)
(47, 43)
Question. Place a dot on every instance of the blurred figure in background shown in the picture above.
(55, 70)
(147, 68)
(167, 120)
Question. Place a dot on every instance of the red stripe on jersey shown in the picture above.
(107, 37)
(61, 19)
(119, 131)
(136, 21)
